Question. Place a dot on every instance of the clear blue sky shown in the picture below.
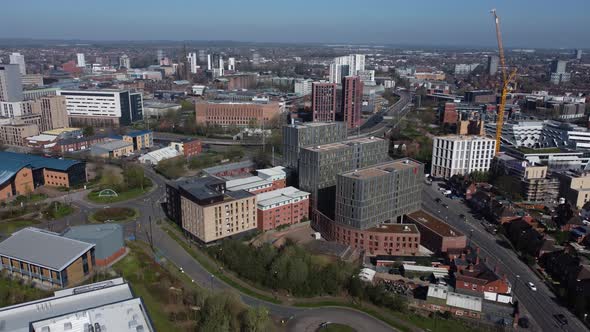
(526, 23)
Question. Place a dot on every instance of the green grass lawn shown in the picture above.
(9, 227)
(137, 268)
(122, 196)
(336, 328)
(57, 210)
(117, 215)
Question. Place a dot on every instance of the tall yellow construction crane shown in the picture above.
(506, 79)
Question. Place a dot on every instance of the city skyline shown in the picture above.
(376, 22)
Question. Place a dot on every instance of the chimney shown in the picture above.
(476, 260)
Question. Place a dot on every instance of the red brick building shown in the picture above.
(77, 144)
(285, 206)
(352, 100)
(240, 114)
(188, 147)
(450, 115)
(323, 101)
(435, 234)
(479, 278)
(387, 239)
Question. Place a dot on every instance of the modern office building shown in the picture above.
(323, 101)
(352, 101)
(378, 194)
(46, 257)
(19, 59)
(11, 84)
(103, 108)
(320, 165)
(558, 72)
(461, 155)
(240, 114)
(207, 212)
(300, 135)
(285, 206)
(108, 305)
(519, 134)
(45, 171)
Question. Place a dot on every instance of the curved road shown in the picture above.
(299, 319)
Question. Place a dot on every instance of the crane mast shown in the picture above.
(506, 79)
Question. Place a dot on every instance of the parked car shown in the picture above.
(438, 200)
(561, 319)
(446, 206)
(462, 216)
(524, 323)
(532, 286)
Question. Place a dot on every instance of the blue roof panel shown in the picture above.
(11, 160)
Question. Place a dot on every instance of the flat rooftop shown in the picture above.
(280, 196)
(343, 144)
(395, 228)
(383, 169)
(465, 138)
(56, 132)
(112, 145)
(127, 315)
(247, 183)
(43, 248)
(17, 318)
(436, 225)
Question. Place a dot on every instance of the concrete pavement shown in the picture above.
(541, 303)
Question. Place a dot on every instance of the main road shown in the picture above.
(540, 304)
(376, 125)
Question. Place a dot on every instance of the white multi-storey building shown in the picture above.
(19, 59)
(11, 83)
(461, 155)
(102, 108)
(192, 61)
(346, 66)
(81, 61)
(231, 64)
(303, 87)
